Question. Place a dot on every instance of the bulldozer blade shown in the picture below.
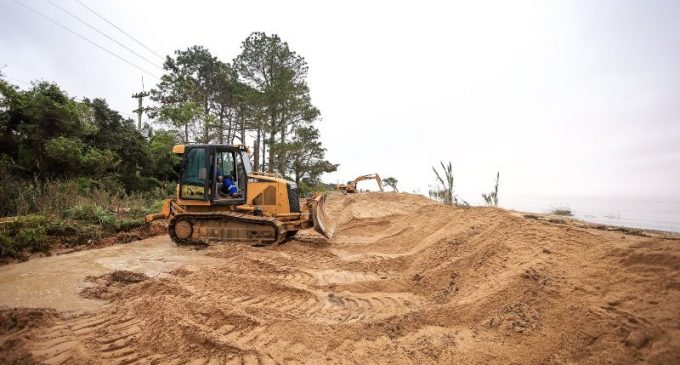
(322, 222)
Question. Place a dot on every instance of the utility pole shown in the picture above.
(140, 96)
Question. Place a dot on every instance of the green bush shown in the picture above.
(140, 211)
(90, 213)
(60, 228)
(26, 232)
(86, 185)
(134, 183)
(28, 221)
(87, 234)
(82, 234)
(9, 194)
(98, 216)
(34, 239)
(105, 219)
(128, 224)
(65, 153)
(97, 161)
(6, 246)
(156, 206)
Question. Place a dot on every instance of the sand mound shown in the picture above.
(405, 280)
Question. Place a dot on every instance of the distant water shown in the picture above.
(661, 215)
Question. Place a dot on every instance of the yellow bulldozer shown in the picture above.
(220, 198)
(351, 186)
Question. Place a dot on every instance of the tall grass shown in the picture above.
(72, 212)
(444, 191)
(492, 197)
(56, 197)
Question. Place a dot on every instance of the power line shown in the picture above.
(122, 31)
(104, 34)
(84, 38)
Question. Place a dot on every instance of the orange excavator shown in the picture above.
(221, 198)
(351, 186)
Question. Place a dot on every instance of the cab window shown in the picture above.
(247, 167)
(227, 185)
(194, 174)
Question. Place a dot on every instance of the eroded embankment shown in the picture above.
(405, 280)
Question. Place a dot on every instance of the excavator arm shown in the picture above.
(375, 177)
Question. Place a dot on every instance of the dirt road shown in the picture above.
(404, 280)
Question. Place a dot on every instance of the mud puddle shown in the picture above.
(54, 282)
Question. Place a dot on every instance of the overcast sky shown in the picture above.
(565, 98)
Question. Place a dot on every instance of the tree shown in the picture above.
(267, 64)
(182, 115)
(70, 157)
(114, 133)
(306, 157)
(492, 197)
(196, 76)
(391, 182)
(163, 165)
(45, 134)
(265, 92)
(30, 119)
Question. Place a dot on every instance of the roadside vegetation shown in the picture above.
(71, 213)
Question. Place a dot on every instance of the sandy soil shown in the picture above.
(404, 280)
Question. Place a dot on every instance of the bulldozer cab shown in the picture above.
(215, 173)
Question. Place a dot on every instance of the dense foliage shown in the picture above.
(45, 135)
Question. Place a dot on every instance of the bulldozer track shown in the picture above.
(197, 219)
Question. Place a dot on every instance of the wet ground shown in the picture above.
(55, 281)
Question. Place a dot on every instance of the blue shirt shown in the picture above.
(229, 186)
